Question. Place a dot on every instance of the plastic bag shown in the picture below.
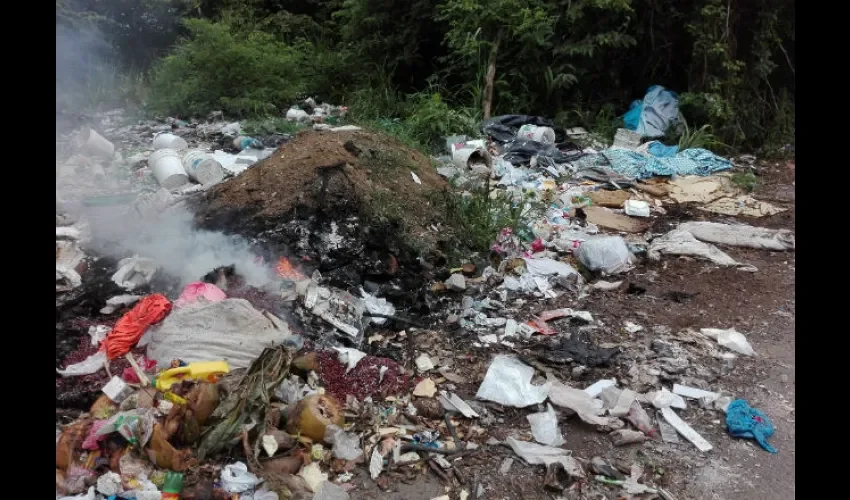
(730, 339)
(87, 366)
(508, 382)
(607, 254)
(377, 306)
(235, 478)
(655, 114)
(345, 445)
(544, 427)
(330, 491)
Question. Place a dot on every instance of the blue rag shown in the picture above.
(659, 150)
(746, 422)
(635, 165)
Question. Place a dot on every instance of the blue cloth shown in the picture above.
(659, 150)
(745, 422)
(640, 166)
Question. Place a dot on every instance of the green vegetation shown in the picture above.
(421, 69)
(745, 180)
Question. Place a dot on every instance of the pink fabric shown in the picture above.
(198, 289)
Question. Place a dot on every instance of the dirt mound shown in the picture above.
(361, 170)
(347, 203)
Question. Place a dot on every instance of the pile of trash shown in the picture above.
(327, 352)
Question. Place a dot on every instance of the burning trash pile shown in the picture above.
(291, 329)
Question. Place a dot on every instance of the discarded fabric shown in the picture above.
(659, 150)
(635, 165)
(231, 330)
(130, 328)
(741, 235)
(679, 242)
(746, 422)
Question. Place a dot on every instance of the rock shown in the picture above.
(426, 388)
(623, 437)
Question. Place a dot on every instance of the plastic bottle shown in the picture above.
(173, 485)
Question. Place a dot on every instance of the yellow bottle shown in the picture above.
(203, 370)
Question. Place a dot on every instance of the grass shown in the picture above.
(479, 215)
(745, 180)
(702, 137)
(273, 125)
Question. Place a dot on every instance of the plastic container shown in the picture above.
(467, 154)
(245, 142)
(95, 143)
(168, 168)
(203, 370)
(546, 135)
(168, 140)
(203, 168)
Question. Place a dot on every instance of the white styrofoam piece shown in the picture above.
(685, 430)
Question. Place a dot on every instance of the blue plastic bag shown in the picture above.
(746, 422)
(655, 114)
(632, 116)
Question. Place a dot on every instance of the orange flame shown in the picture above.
(287, 271)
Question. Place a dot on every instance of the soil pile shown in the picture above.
(326, 171)
(354, 205)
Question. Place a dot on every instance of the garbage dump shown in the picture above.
(249, 316)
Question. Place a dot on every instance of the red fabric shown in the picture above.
(130, 328)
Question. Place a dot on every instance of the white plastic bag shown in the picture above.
(607, 254)
(87, 366)
(377, 306)
(235, 478)
(508, 382)
(544, 427)
(730, 339)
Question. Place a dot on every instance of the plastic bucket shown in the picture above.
(168, 168)
(168, 140)
(466, 154)
(95, 143)
(540, 134)
(203, 168)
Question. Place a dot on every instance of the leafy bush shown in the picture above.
(431, 118)
(242, 74)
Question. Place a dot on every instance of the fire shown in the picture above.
(287, 271)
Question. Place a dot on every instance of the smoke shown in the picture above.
(181, 250)
(84, 63)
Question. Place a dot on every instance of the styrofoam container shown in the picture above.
(168, 168)
(545, 135)
(168, 140)
(95, 143)
(203, 168)
(637, 208)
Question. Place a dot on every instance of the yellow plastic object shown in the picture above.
(203, 370)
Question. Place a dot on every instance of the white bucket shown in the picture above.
(540, 134)
(95, 143)
(466, 154)
(168, 169)
(168, 140)
(203, 168)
